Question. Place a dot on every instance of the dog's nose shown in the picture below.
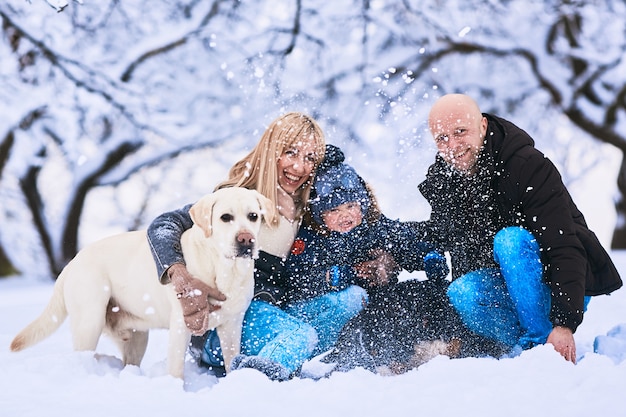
(245, 245)
(245, 238)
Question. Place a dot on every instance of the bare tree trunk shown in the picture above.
(69, 243)
(619, 234)
(28, 183)
(6, 145)
(606, 134)
(6, 266)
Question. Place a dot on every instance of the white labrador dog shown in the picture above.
(112, 286)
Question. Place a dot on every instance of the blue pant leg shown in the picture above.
(517, 252)
(271, 333)
(328, 313)
(483, 302)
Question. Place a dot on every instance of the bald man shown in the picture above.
(524, 262)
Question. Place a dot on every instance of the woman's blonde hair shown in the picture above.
(258, 170)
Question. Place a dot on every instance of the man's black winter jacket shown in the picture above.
(529, 192)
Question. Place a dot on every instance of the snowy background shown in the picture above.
(112, 112)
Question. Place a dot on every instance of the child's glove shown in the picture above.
(435, 266)
(333, 277)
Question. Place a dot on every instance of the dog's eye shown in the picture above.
(253, 217)
(226, 218)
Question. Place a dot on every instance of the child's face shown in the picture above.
(343, 218)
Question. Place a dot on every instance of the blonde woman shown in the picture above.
(281, 167)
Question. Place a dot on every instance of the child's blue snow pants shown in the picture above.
(328, 313)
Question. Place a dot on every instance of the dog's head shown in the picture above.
(233, 216)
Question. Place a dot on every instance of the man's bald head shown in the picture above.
(459, 129)
(457, 104)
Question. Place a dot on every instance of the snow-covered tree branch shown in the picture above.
(166, 94)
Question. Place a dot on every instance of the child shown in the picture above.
(345, 227)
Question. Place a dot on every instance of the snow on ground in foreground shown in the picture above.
(51, 380)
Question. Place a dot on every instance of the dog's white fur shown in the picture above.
(112, 286)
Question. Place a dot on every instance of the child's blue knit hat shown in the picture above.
(336, 183)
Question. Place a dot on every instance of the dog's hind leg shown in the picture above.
(132, 343)
(133, 346)
(86, 332)
(87, 320)
(87, 294)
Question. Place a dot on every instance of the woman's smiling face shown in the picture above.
(296, 165)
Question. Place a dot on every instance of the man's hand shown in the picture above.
(562, 339)
(194, 298)
(381, 270)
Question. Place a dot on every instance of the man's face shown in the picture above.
(459, 135)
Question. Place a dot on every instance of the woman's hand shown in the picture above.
(194, 298)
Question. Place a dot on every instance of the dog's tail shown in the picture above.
(47, 323)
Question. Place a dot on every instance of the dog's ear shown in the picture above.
(267, 207)
(201, 213)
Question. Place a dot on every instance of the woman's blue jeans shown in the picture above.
(510, 304)
(291, 336)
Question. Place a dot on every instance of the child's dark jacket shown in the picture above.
(319, 264)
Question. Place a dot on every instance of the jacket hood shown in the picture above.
(504, 139)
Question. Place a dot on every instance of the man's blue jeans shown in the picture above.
(510, 304)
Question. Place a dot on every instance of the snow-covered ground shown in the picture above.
(51, 380)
